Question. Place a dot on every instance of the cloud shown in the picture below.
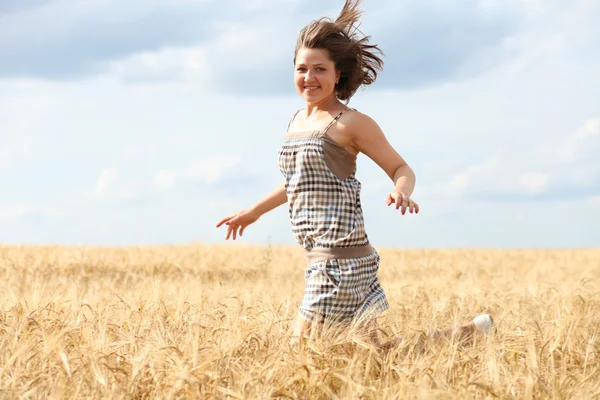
(555, 31)
(168, 198)
(435, 42)
(13, 6)
(423, 49)
(566, 168)
(155, 209)
(594, 201)
(66, 41)
(206, 173)
(20, 212)
(237, 60)
(170, 65)
(534, 182)
(107, 178)
(583, 145)
(211, 44)
(13, 151)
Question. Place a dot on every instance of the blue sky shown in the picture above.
(145, 122)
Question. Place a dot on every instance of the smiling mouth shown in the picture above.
(311, 88)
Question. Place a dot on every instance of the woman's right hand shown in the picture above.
(238, 221)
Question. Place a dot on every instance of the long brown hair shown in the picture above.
(348, 48)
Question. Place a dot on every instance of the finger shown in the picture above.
(221, 222)
(399, 198)
(232, 219)
(234, 222)
(404, 205)
(389, 200)
(416, 208)
(228, 233)
(242, 230)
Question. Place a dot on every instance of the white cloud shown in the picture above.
(567, 164)
(583, 145)
(240, 53)
(9, 211)
(170, 64)
(592, 127)
(553, 29)
(208, 172)
(14, 212)
(235, 49)
(534, 182)
(65, 41)
(110, 187)
(13, 151)
(107, 178)
(260, 4)
(594, 201)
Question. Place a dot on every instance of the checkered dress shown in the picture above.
(327, 221)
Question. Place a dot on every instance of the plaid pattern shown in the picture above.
(326, 213)
(343, 290)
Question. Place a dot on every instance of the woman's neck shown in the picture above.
(326, 105)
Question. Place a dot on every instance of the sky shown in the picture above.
(146, 122)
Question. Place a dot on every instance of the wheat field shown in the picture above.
(208, 321)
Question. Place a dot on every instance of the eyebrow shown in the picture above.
(314, 65)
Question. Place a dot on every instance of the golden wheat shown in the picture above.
(205, 321)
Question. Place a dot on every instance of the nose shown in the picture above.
(308, 76)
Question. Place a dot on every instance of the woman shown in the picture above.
(318, 161)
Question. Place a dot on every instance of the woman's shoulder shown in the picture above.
(356, 121)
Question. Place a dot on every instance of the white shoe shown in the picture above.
(484, 323)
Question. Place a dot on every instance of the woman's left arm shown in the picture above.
(368, 138)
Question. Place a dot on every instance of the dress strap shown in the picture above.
(336, 118)
(292, 120)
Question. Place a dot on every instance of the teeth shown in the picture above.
(311, 87)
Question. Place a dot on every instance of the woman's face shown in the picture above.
(315, 75)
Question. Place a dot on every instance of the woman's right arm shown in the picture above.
(273, 200)
(240, 220)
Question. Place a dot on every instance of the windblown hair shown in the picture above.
(354, 57)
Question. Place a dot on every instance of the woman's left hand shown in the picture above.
(403, 201)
